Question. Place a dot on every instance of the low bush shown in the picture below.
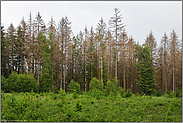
(178, 93)
(78, 106)
(32, 107)
(19, 83)
(96, 88)
(73, 86)
(96, 84)
(75, 95)
(128, 93)
(12, 82)
(4, 84)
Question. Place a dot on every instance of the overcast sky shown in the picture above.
(139, 17)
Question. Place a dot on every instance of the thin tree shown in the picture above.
(116, 25)
(173, 50)
(101, 32)
(164, 41)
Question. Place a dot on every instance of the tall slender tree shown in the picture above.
(173, 51)
(116, 26)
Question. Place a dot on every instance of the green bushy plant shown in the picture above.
(62, 93)
(75, 95)
(172, 94)
(73, 86)
(158, 93)
(178, 93)
(120, 90)
(26, 83)
(4, 84)
(12, 82)
(78, 106)
(109, 88)
(95, 85)
(112, 96)
(20, 83)
(128, 93)
(97, 94)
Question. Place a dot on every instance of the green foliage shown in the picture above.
(19, 83)
(178, 93)
(4, 84)
(75, 95)
(12, 82)
(110, 87)
(47, 81)
(95, 85)
(113, 87)
(172, 94)
(128, 93)
(26, 83)
(78, 106)
(146, 70)
(32, 107)
(97, 94)
(73, 86)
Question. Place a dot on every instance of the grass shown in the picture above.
(48, 107)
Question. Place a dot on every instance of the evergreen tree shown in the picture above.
(47, 81)
(146, 70)
(116, 25)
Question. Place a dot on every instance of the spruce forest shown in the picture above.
(48, 74)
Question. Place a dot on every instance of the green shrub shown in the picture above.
(172, 94)
(20, 83)
(4, 84)
(178, 93)
(95, 84)
(137, 94)
(128, 93)
(26, 83)
(118, 96)
(75, 95)
(97, 94)
(12, 82)
(78, 106)
(73, 86)
(112, 96)
(110, 87)
(120, 90)
(62, 93)
(159, 93)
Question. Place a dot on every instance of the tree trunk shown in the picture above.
(61, 76)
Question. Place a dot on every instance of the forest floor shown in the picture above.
(48, 107)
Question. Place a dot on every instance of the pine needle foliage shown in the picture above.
(146, 70)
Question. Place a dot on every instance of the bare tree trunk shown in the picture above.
(116, 60)
(61, 76)
(38, 73)
(124, 75)
(173, 77)
(85, 66)
(166, 79)
(101, 67)
(64, 75)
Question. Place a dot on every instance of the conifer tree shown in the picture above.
(101, 32)
(47, 81)
(173, 51)
(116, 25)
(146, 72)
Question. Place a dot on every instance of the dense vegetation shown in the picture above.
(62, 107)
